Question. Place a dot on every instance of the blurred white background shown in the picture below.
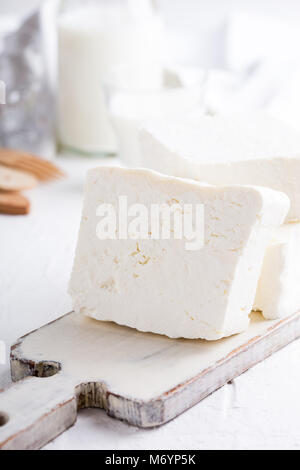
(202, 20)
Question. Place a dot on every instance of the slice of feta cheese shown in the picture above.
(250, 149)
(162, 285)
(278, 293)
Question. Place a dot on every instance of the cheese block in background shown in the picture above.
(278, 293)
(158, 285)
(250, 149)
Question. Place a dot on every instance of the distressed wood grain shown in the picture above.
(141, 378)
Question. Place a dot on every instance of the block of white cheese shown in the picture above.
(278, 293)
(145, 279)
(250, 149)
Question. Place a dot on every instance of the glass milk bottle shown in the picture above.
(93, 37)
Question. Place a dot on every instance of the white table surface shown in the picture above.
(260, 410)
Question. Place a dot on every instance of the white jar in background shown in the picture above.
(93, 37)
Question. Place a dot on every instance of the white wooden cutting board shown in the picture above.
(141, 378)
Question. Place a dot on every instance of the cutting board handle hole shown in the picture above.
(3, 419)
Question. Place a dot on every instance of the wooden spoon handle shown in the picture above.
(14, 204)
(15, 180)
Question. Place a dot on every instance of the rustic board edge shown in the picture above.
(165, 407)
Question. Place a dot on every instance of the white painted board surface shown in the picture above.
(143, 379)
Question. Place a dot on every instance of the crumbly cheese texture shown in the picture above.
(278, 293)
(157, 285)
(252, 149)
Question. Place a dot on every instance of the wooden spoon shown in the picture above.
(14, 204)
(16, 180)
(40, 168)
